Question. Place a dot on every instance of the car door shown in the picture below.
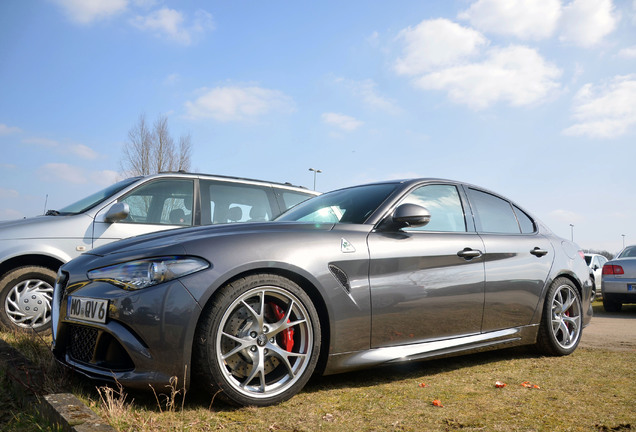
(427, 283)
(517, 260)
(155, 205)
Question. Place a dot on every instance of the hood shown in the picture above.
(162, 239)
(40, 227)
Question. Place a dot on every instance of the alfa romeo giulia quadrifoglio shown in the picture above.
(363, 276)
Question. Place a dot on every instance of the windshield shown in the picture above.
(353, 205)
(94, 199)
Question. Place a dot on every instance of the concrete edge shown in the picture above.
(63, 409)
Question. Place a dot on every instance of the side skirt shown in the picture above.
(344, 362)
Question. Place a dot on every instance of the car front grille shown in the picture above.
(97, 348)
(83, 342)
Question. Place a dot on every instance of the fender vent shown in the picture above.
(340, 276)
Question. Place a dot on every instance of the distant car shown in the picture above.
(359, 277)
(619, 280)
(595, 262)
(32, 250)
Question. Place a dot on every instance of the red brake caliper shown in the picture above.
(286, 336)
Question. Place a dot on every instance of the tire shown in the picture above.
(611, 305)
(562, 319)
(258, 341)
(25, 298)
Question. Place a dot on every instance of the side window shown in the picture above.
(291, 198)
(235, 202)
(493, 214)
(445, 206)
(526, 224)
(161, 202)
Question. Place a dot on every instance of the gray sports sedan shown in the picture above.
(363, 276)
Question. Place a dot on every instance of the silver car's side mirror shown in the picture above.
(118, 211)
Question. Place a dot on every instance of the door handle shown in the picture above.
(538, 252)
(468, 253)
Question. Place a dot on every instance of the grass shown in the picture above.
(590, 390)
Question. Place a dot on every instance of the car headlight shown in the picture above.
(140, 274)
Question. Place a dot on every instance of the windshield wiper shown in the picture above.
(52, 213)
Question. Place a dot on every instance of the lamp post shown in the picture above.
(316, 171)
(572, 232)
(623, 240)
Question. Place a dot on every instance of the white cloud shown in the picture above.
(366, 90)
(8, 193)
(606, 110)
(105, 178)
(87, 11)
(628, 53)
(586, 22)
(7, 130)
(234, 103)
(436, 43)
(516, 75)
(83, 151)
(54, 172)
(172, 24)
(344, 122)
(43, 142)
(525, 19)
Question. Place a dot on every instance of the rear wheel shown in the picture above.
(562, 320)
(258, 341)
(25, 298)
(610, 304)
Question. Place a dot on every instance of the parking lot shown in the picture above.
(613, 331)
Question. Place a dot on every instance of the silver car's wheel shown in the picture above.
(562, 321)
(25, 298)
(262, 339)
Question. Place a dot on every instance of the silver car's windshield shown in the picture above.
(94, 199)
(353, 205)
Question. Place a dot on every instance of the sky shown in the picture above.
(533, 99)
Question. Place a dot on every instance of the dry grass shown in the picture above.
(590, 390)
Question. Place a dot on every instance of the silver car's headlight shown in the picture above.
(134, 275)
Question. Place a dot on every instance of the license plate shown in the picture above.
(631, 287)
(87, 309)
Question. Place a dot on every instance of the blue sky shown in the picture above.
(534, 99)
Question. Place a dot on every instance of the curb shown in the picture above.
(62, 409)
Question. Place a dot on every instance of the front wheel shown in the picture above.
(258, 341)
(25, 298)
(562, 320)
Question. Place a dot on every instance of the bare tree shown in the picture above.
(152, 151)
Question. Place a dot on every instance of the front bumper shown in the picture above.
(146, 339)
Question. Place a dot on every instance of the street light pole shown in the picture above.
(572, 232)
(623, 240)
(316, 171)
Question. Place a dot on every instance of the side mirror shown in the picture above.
(408, 215)
(118, 211)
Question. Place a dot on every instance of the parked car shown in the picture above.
(362, 276)
(32, 249)
(619, 280)
(595, 262)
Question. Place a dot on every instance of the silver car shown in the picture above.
(619, 280)
(363, 276)
(33, 249)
